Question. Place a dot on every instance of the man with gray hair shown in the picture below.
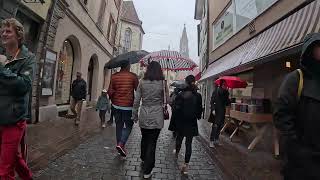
(16, 70)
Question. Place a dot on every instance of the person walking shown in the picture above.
(296, 114)
(16, 73)
(103, 105)
(219, 102)
(78, 94)
(121, 92)
(172, 99)
(188, 105)
(151, 92)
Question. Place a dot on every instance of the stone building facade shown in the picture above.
(82, 34)
(130, 33)
(34, 16)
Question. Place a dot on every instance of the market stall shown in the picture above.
(255, 112)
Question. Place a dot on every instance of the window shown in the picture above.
(127, 40)
(238, 15)
(247, 10)
(140, 40)
(101, 13)
(111, 30)
(64, 73)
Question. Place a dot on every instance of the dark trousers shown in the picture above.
(111, 115)
(148, 148)
(124, 125)
(102, 115)
(188, 146)
(216, 127)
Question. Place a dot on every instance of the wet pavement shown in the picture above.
(237, 162)
(50, 139)
(96, 158)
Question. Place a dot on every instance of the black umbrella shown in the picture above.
(131, 57)
(179, 84)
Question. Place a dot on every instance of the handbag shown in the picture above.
(165, 106)
(211, 118)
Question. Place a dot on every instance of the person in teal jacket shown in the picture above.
(103, 105)
(16, 71)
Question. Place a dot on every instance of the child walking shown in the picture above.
(103, 105)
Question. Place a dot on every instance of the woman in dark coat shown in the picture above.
(188, 106)
(297, 116)
(219, 102)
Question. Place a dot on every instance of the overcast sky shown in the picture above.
(163, 22)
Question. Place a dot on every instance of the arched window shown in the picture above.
(127, 40)
(64, 74)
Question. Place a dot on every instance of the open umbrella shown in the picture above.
(232, 82)
(169, 60)
(179, 84)
(131, 57)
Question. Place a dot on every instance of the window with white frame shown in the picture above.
(238, 14)
(127, 40)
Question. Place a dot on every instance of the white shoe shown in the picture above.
(176, 154)
(103, 125)
(211, 145)
(184, 168)
(147, 176)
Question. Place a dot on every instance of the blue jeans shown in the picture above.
(124, 125)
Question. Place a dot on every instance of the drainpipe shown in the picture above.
(208, 34)
(41, 63)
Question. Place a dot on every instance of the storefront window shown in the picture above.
(64, 74)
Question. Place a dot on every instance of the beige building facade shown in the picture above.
(257, 40)
(84, 42)
(130, 33)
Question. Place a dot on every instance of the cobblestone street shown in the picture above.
(97, 159)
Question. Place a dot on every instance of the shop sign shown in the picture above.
(223, 28)
(48, 73)
(40, 7)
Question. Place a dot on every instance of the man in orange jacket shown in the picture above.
(121, 92)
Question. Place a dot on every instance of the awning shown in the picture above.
(286, 34)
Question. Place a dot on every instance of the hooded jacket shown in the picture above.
(298, 118)
(15, 87)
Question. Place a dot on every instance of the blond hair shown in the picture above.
(16, 25)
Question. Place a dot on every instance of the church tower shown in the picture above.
(184, 47)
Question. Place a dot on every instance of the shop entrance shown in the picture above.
(93, 70)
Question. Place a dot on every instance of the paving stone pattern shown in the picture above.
(96, 159)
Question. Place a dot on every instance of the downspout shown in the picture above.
(41, 63)
(208, 34)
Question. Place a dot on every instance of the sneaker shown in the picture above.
(217, 143)
(211, 144)
(121, 150)
(184, 168)
(176, 154)
(147, 176)
(77, 123)
(109, 123)
(103, 125)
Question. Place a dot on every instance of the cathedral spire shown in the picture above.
(184, 47)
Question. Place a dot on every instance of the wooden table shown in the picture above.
(254, 119)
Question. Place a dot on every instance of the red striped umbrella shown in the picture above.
(169, 60)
